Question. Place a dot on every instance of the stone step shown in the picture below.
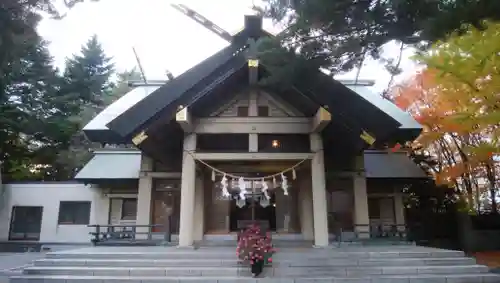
(233, 263)
(245, 271)
(435, 278)
(304, 254)
(276, 243)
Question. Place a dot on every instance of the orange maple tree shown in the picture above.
(455, 98)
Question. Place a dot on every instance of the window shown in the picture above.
(26, 223)
(263, 111)
(129, 209)
(74, 212)
(242, 111)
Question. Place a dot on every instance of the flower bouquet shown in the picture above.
(255, 248)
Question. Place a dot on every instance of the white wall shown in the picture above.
(277, 107)
(49, 195)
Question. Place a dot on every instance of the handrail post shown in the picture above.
(341, 230)
(150, 232)
(134, 230)
(97, 233)
(168, 229)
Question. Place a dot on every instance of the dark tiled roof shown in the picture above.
(142, 112)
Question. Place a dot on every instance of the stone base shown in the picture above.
(193, 247)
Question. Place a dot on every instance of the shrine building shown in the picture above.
(213, 149)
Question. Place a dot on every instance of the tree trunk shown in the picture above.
(494, 205)
(490, 174)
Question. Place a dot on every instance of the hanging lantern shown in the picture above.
(284, 184)
(224, 184)
(243, 189)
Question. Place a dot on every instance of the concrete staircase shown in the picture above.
(394, 264)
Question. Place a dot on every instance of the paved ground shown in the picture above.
(11, 263)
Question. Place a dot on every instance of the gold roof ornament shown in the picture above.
(253, 63)
(139, 138)
(369, 139)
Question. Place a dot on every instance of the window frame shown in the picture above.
(73, 208)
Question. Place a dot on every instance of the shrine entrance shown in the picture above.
(255, 208)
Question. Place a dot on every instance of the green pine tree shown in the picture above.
(34, 114)
(89, 73)
(88, 76)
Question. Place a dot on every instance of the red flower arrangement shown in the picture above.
(255, 247)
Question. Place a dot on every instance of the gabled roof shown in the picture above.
(97, 130)
(352, 112)
(168, 97)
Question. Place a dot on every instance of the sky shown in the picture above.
(166, 39)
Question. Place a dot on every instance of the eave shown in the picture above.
(96, 130)
(167, 98)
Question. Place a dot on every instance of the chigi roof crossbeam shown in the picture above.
(203, 21)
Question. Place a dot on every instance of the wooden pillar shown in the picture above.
(188, 183)
(320, 217)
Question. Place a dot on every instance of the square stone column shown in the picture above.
(144, 195)
(199, 209)
(188, 184)
(361, 216)
(319, 192)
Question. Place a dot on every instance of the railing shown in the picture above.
(128, 233)
(366, 233)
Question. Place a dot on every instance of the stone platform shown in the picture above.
(377, 264)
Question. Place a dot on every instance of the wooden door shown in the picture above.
(164, 201)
